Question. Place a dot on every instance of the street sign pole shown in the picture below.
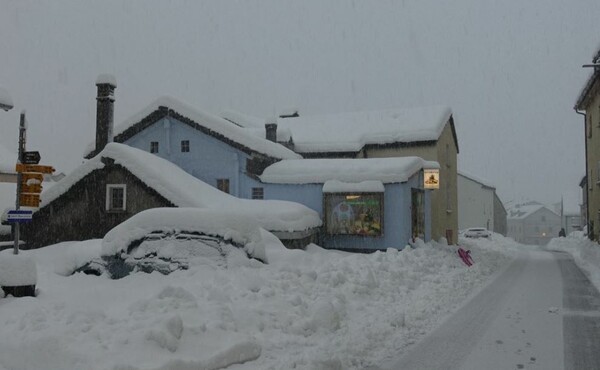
(22, 138)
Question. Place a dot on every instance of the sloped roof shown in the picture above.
(255, 125)
(476, 179)
(592, 81)
(522, 211)
(210, 124)
(184, 190)
(317, 171)
(351, 131)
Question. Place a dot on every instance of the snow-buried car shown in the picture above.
(169, 239)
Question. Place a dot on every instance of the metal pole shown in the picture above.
(22, 134)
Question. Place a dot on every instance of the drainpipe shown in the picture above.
(587, 206)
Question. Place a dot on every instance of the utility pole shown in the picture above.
(22, 138)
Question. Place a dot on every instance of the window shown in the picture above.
(223, 185)
(116, 197)
(258, 193)
(154, 147)
(354, 214)
(185, 146)
(589, 124)
(543, 218)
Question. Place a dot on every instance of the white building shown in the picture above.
(533, 223)
(476, 202)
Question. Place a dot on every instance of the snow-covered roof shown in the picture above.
(522, 211)
(349, 132)
(317, 171)
(5, 99)
(256, 126)
(106, 78)
(593, 77)
(335, 186)
(184, 190)
(218, 125)
(476, 179)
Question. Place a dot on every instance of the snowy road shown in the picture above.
(541, 313)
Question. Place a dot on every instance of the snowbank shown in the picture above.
(585, 252)
(313, 309)
(17, 269)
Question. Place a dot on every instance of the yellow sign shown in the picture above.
(33, 168)
(29, 200)
(431, 179)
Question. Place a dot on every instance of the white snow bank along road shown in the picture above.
(304, 310)
(585, 252)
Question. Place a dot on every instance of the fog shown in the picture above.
(510, 71)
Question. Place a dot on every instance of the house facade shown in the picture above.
(122, 181)
(479, 205)
(365, 204)
(588, 105)
(475, 202)
(426, 132)
(533, 223)
(500, 216)
(233, 157)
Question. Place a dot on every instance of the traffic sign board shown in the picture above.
(33, 168)
(20, 215)
(29, 200)
(31, 157)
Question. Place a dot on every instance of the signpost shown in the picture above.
(30, 176)
(31, 158)
(20, 215)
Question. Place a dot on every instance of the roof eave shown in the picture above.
(590, 87)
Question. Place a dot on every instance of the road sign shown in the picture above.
(33, 168)
(31, 157)
(29, 200)
(21, 215)
(31, 182)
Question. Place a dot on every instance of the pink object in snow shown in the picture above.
(465, 255)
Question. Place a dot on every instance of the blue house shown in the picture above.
(366, 204)
(214, 150)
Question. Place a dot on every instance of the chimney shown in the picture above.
(104, 110)
(271, 130)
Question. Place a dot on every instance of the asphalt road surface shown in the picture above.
(541, 313)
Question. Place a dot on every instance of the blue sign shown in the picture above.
(21, 215)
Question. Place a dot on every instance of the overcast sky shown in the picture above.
(509, 69)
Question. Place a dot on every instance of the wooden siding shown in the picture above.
(80, 213)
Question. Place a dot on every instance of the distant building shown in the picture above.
(533, 223)
(478, 205)
(587, 104)
(572, 222)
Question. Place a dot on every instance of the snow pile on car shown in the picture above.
(313, 309)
